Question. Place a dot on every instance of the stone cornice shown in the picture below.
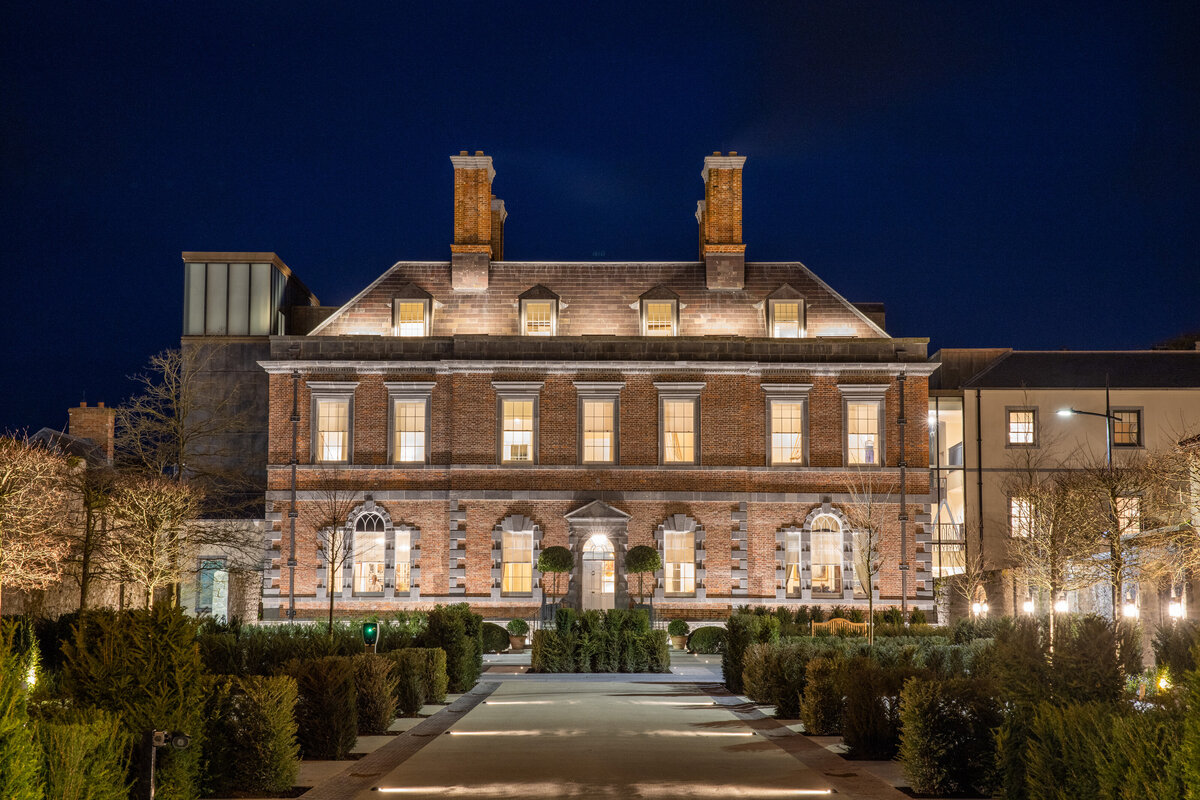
(916, 369)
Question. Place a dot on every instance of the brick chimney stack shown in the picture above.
(97, 424)
(499, 214)
(472, 250)
(720, 218)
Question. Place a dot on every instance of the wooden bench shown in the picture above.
(838, 625)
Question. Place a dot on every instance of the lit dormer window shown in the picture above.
(660, 312)
(539, 312)
(411, 307)
(785, 314)
(787, 319)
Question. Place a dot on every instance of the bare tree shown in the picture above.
(866, 514)
(969, 583)
(151, 516)
(1050, 544)
(1169, 542)
(179, 423)
(327, 514)
(90, 532)
(33, 506)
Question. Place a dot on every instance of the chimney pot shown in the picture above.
(83, 403)
(716, 152)
(478, 152)
(733, 152)
(463, 153)
(100, 404)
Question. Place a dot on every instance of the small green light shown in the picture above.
(370, 633)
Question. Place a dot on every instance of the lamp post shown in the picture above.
(1109, 418)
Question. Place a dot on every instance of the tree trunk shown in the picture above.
(331, 598)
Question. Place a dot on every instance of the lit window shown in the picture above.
(862, 432)
(368, 554)
(517, 427)
(1020, 516)
(598, 431)
(409, 443)
(679, 431)
(1127, 428)
(659, 317)
(538, 316)
(410, 317)
(827, 556)
(680, 562)
(1022, 426)
(517, 555)
(1129, 514)
(333, 430)
(787, 432)
(403, 560)
(791, 565)
(787, 319)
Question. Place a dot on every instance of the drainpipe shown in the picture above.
(291, 562)
(903, 508)
(979, 464)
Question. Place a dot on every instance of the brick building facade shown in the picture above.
(455, 418)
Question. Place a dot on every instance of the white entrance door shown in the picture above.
(599, 576)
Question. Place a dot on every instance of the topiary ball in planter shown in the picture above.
(677, 629)
(517, 628)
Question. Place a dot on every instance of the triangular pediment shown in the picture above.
(597, 510)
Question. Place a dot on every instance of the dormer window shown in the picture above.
(786, 318)
(411, 307)
(539, 312)
(537, 317)
(660, 312)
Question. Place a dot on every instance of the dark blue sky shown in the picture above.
(997, 174)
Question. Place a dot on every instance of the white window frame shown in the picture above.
(801, 317)
(605, 392)
(674, 304)
(427, 315)
(505, 562)
(409, 392)
(1020, 524)
(355, 550)
(793, 556)
(553, 316)
(517, 391)
(865, 393)
(1008, 425)
(679, 392)
(779, 393)
(840, 565)
(331, 391)
(687, 569)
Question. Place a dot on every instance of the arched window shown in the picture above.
(368, 553)
(826, 556)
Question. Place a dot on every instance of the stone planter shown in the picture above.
(679, 642)
(516, 643)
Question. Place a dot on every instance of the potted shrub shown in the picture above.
(555, 561)
(678, 630)
(517, 628)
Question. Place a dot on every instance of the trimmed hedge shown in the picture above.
(251, 735)
(495, 638)
(459, 632)
(375, 693)
(420, 678)
(822, 701)
(708, 640)
(871, 718)
(327, 708)
(775, 674)
(618, 640)
(946, 739)
(744, 630)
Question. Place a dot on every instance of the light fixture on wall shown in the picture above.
(1130, 609)
(979, 609)
(1028, 607)
(1060, 605)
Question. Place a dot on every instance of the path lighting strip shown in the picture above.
(561, 790)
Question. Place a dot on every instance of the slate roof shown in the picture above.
(1123, 369)
(600, 298)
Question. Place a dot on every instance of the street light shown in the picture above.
(1108, 415)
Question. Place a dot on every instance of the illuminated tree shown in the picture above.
(639, 561)
(327, 514)
(152, 518)
(555, 561)
(866, 515)
(33, 507)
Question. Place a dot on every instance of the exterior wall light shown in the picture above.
(1028, 607)
(1175, 609)
(1060, 605)
(979, 609)
(1130, 610)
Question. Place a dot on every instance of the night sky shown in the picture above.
(997, 174)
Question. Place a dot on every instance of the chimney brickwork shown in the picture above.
(499, 214)
(95, 423)
(720, 218)
(471, 251)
